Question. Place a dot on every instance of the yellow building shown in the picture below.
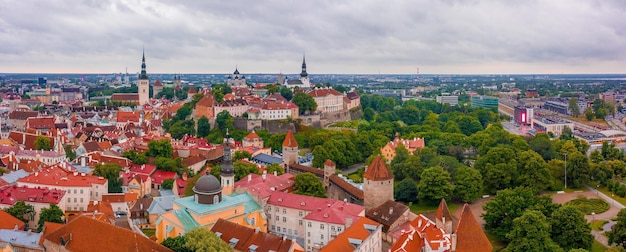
(389, 150)
(207, 206)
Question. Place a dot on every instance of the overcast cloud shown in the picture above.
(452, 36)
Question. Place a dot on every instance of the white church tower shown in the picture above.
(304, 76)
(144, 83)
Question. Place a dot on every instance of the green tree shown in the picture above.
(531, 232)
(469, 125)
(510, 204)
(542, 145)
(182, 128)
(135, 157)
(275, 168)
(176, 244)
(570, 229)
(406, 190)
(224, 121)
(201, 239)
(241, 155)
(578, 169)
(589, 114)
(160, 148)
(368, 114)
(203, 127)
(617, 235)
(566, 134)
(111, 172)
(167, 184)
(166, 164)
(304, 102)
(69, 152)
(533, 171)
(42, 143)
(242, 169)
(50, 214)
(434, 184)
(183, 112)
(468, 184)
(498, 168)
(397, 164)
(308, 184)
(21, 210)
(572, 106)
(286, 92)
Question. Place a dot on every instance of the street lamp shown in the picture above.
(565, 168)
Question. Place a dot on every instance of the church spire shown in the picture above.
(303, 73)
(143, 75)
(227, 165)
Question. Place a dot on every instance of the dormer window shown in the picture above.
(233, 242)
(253, 248)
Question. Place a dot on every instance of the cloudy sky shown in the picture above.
(338, 36)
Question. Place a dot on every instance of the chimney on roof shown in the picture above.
(390, 210)
(30, 231)
(249, 177)
(257, 230)
(275, 173)
(15, 227)
(264, 175)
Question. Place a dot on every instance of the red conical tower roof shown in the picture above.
(290, 140)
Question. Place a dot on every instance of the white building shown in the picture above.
(327, 99)
(316, 220)
(449, 99)
(37, 197)
(236, 80)
(80, 187)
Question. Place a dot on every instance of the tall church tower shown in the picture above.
(144, 83)
(304, 76)
(228, 171)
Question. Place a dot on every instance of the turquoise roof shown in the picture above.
(227, 202)
(186, 220)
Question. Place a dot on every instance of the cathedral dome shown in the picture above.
(207, 184)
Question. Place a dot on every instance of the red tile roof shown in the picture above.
(191, 90)
(125, 97)
(290, 140)
(49, 227)
(329, 162)
(206, 101)
(40, 123)
(56, 176)
(128, 116)
(469, 235)
(443, 211)
(22, 115)
(263, 188)
(321, 92)
(160, 175)
(8, 221)
(12, 194)
(378, 170)
(359, 230)
(107, 238)
(248, 236)
(157, 83)
(321, 209)
(143, 169)
(251, 136)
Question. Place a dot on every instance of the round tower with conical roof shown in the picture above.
(377, 184)
(290, 150)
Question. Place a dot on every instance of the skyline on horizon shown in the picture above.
(449, 37)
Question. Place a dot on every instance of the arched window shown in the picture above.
(216, 199)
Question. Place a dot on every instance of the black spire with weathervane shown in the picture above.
(227, 165)
(143, 75)
(303, 73)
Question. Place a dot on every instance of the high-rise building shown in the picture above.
(144, 83)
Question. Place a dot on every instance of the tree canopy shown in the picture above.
(434, 184)
(21, 210)
(201, 239)
(308, 184)
(111, 172)
(304, 102)
(570, 229)
(160, 148)
(43, 143)
(50, 214)
(531, 232)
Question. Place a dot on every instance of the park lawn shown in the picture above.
(424, 207)
(595, 247)
(597, 224)
(149, 231)
(606, 191)
(495, 243)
